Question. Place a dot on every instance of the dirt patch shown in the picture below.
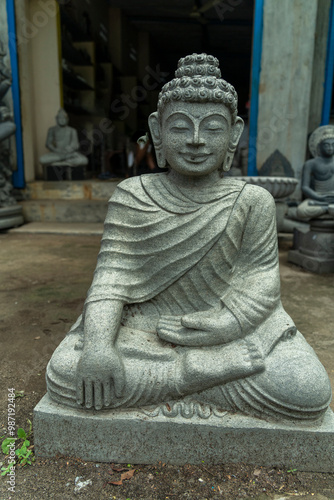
(44, 280)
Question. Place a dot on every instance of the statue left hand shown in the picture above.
(203, 328)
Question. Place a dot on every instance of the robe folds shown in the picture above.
(169, 251)
(185, 255)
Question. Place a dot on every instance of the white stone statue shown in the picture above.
(63, 144)
(184, 310)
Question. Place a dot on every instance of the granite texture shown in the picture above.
(136, 437)
(314, 249)
(184, 313)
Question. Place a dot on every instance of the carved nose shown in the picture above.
(196, 139)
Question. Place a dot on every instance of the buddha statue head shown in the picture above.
(321, 141)
(196, 128)
(62, 118)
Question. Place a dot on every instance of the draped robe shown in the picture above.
(222, 241)
(164, 253)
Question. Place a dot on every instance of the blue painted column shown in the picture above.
(328, 86)
(255, 82)
(18, 175)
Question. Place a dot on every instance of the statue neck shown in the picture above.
(194, 181)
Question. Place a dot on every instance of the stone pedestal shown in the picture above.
(11, 217)
(314, 249)
(126, 436)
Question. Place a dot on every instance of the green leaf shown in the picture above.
(21, 433)
(6, 470)
(6, 443)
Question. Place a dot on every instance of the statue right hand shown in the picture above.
(98, 372)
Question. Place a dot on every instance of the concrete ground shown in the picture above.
(44, 280)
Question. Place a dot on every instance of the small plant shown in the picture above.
(292, 471)
(23, 453)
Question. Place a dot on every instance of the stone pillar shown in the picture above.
(40, 76)
(288, 73)
(319, 65)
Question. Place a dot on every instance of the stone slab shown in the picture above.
(70, 228)
(70, 190)
(138, 438)
(311, 263)
(64, 210)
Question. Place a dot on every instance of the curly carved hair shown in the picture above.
(198, 79)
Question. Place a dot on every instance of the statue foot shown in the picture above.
(203, 369)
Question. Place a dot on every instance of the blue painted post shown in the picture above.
(18, 175)
(255, 83)
(328, 86)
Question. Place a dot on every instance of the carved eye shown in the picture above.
(179, 128)
(214, 126)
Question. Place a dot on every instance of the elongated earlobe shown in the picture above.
(155, 129)
(235, 136)
(228, 161)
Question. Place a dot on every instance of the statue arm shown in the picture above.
(74, 144)
(100, 371)
(306, 183)
(50, 145)
(255, 287)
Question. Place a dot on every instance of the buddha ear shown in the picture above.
(236, 131)
(155, 129)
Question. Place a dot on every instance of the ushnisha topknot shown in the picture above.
(198, 79)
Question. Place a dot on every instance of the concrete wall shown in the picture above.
(40, 73)
(289, 28)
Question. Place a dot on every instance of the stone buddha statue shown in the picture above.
(184, 310)
(63, 144)
(318, 175)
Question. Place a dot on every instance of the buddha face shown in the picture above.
(326, 148)
(62, 118)
(195, 137)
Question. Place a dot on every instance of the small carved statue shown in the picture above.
(318, 176)
(184, 309)
(62, 141)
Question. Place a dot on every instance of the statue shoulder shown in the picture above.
(130, 185)
(310, 164)
(255, 195)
